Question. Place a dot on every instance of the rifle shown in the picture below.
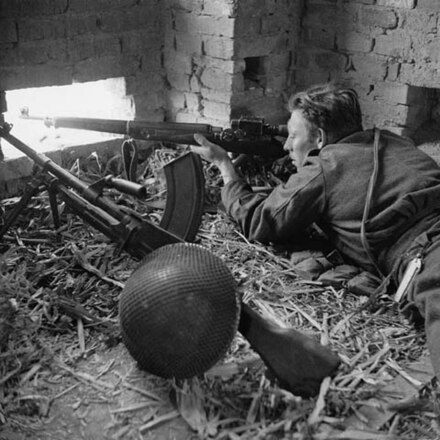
(245, 135)
(297, 361)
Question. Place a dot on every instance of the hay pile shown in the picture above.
(58, 306)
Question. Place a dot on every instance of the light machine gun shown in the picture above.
(297, 361)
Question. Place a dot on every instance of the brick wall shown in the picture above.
(389, 50)
(57, 42)
(210, 60)
(229, 58)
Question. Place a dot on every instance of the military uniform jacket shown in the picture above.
(331, 191)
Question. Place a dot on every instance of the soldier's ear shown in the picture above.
(321, 138)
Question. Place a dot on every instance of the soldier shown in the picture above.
(374, 194)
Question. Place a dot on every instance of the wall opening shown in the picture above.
(424, 114)
(254, 73)
(98, 99)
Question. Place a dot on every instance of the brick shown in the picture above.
(320, 37)
(215, 95)
(136, 82)
(17, 77)
(355, 42)
(369, 66)
(216, 79)
(8, 31)
(395, 44)
(276, 84)
(273, 24)
(186, 5)
(217, 47)
(216, 110)
(378, 17)
(392, 92)
(424, 75)
(30, 29)
(193, 102)
(429, 5)
(247, 27)
(404, 4)
(329, 60)
(393, 71)
(180, 62)
(99, 5)
(278, 63)
(420, 22)
(78, 24)
(261, 46)
(178, 80)
(146, 103)
(361, 2)
(32, 8)
(431, 51)
(318, 13)
(219, 8)
(139, 17)
(103, 67)
(188, 44)
(139, 41)
(191, 23)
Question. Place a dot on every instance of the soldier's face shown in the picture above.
(303, 137)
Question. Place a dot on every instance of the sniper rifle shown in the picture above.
(244, 136)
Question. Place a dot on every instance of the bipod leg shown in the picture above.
(32, 188)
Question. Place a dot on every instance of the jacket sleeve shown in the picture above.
(284, 214)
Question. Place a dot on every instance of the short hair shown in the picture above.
(332, 108)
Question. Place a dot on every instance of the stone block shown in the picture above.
(8, 31)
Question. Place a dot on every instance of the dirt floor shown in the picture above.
(65, 373)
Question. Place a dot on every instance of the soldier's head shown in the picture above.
(321, 115)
